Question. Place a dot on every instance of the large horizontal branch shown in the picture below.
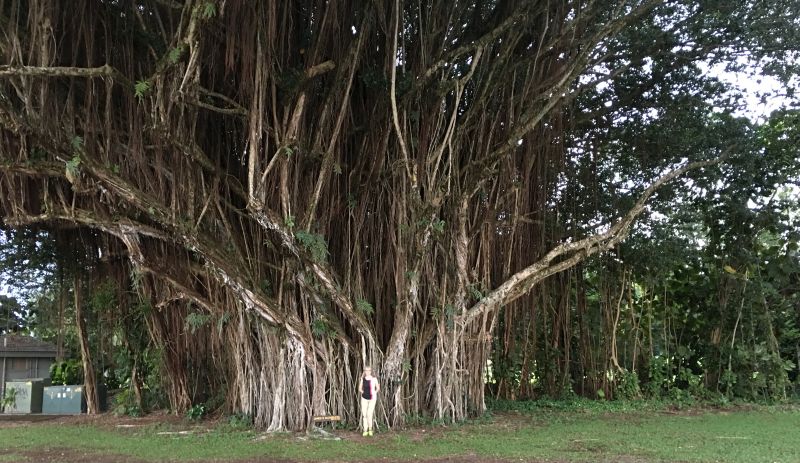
(522, 281)
(39, 169)
(203, 246)
(233, 108)
(83, 218)
(319, 69)
(105, 71)
(128, 232)
(235, 111)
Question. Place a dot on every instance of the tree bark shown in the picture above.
(89, 377)
(62, 302)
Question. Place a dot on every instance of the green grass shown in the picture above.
(762, 434)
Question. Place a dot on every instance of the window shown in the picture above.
(19, 364)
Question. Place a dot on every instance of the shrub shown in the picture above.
(196, 412)
(125, 404)
(9, 399)
(66, 372)
(240, 421)
(628, 386)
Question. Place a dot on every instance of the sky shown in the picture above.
(762, 94)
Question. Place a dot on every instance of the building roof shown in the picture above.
(24, 344)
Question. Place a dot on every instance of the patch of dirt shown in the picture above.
(103, 420)
(459, 459)
(8, 421)
(706, 409)
(109, 420)
(71, 456)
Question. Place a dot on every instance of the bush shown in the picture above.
(66, 372)
(240, 421)
(125, 404)
(758, 374)
(9, 399)
(196, 412)
(628, 386)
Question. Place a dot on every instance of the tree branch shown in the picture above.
(481, 168)
(269, 220)
(522, 281)
(205, 247)
(104, 71)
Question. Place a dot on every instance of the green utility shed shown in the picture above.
(69, 400)
(27, 396)
(63, 400)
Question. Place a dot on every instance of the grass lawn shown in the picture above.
(761, 434)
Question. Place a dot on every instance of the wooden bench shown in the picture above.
(327, 418)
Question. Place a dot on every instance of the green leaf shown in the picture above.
(319, 327)
(74, 163)
(406, 366)
(141, 89)
(287, 150)
(209, 10)
(475, 291)
(313, 243)
(73, 170)
(196, 412)
(76, 143)
(364, 307)
(195, 321)
(175, 54)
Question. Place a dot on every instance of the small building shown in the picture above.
(24, 357)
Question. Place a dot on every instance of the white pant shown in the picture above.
(367, 413)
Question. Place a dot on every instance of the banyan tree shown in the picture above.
(334, 183)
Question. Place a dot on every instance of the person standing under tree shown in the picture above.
(369, 396)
